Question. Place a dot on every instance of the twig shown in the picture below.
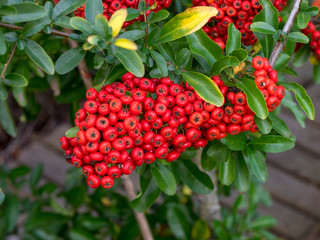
(53, 31)
(8, 62)
(141, 218)
(286, 29)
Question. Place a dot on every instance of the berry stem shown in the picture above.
(9, 60)
(286, 29)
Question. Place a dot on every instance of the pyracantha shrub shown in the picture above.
(239, 12)
(314, 43)
(140, 120)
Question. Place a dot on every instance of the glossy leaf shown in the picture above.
(149, 193)
(316, 73)
(64, 7)
(37, 54)
(183, 57)
(19, 94)
(205, 87)
(301, 56)
(177, 222)
(15, 80)
(158, 16)
(126, 43)
(165, 178)
(101, 25)
(203, 46)
(131, 61)
(272, 143)
(81, 24)
(195, 179)
(302, 98)
(280, 126)
(25, 12)
(161, 62)
(235, 142)
(69, 60)
(92, 9)
(2, 196)
(288, 102)
(132, 14)
(242, 180)
(7, 10)
(223, 63)
(256, 160)
(303, 19)
(255, 98)
(166, 51)
(133, 35)
(227, 170)
(117, 20)
(72, 132)
(3, 92)
(35, 176)
(6, 120)
(282, 61)
(11, 212)
(298, 37)
(186, 23)
(262, 27)
(207, 162)
(234, 39)
(262, 222)
(240, 54)
(34, 27)
(264, 125)
(3, 44)
(212, 154)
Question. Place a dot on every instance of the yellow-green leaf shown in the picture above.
(126, 43)
(117, 20)
(186, 23)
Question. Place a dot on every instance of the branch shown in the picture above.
(286, 29)
(141, 218)
(8, 62)
(53, 31)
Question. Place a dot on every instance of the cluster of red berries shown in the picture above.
(141, 120)
(110, 6)
(314, 43)
(239, 12)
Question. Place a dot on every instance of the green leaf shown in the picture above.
(80, 234)
(183, 57)
(202, 45)
(288, 102)
(223, 63)
(207, 163)
(92, 9)
(303, 19)
(72, 132)
(76, 196)
(262, 222)
(234, 39)
(166, 51)
(242, 180)
(149, 193)
(272, 143)
(205, 87)
(69, 60)
(190, 174)
(15, 80)
(227, 170)
(25, 12)
(301, 56)
(235, 142)
(302, 97)
(81, 24)
(298, 37)
(313, 11)
(280, 126)
(19, 94)
(262, 27)
(11, 212)
(39, 56)
(255, 98)
(35, 176)
(183, 24)
(3, 92)
(102, 26)
(282, 61)
(131, 61)
(240, 54)
(177, 222)
(264, 125)
(200, 230)
(256, 160)
(107, 75)
(6, 120)
(66, 6)
(288, 70)
(214, 153)
(165, 178)
(7, 10)
(34, 27)
(158, 16)
(19, 172)
(64, 21)
(3, 44)
(2, 196)
(316, 73)
(132, 14)
(269, 15)
(133, 35)
(161, 62)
